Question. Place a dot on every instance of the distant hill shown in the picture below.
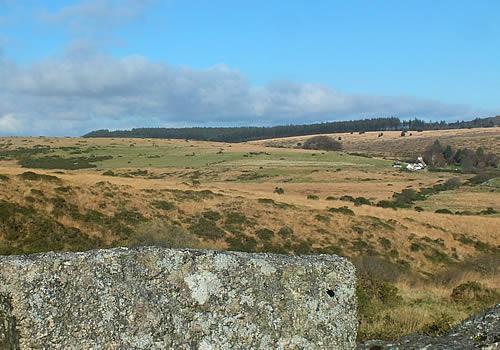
(242, 134)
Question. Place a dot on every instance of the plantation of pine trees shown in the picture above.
(241, 134)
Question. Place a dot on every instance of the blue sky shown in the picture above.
(73, 66)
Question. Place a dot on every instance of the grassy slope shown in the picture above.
(158, 198)
(391, 144)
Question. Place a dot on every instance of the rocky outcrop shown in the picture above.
(477, 332)
(153, 298)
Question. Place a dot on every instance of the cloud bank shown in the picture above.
(72, 94)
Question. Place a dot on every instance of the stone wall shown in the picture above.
(154, 298)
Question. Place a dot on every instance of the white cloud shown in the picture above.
(9, 124)
(75, 93)
(91, 13)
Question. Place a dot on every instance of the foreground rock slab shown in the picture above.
(154, 298)
(480, 331)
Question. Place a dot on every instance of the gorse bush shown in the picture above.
(56, 162)
(324, 143)
(322, 218)
(207, 229)
(443, 211)
(481, 178)
(264, 234)
(162, 234)
(235, 218)
(27, 231)
(438, 326)
(285, 231)
(362, 201)
(371, 292)
(342, 210)
(475, 294)
(211, 215)
(31, 176)
(358, 201)
(242, 243)
(279, 190)
(163, 204)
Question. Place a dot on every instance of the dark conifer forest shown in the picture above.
(241, 134)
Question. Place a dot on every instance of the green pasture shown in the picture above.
(199, 156)
(196, 157)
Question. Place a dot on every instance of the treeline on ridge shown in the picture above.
(241, 134)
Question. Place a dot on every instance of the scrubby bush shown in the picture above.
(358, 201)
(162, 234)
(416, 247)
(474, 293)
(488, 211)
(285, 231)
(438, 326)
(130, 217)
(437, 256)
(63, 189)
(342, 210)
(242, 243)
(443, 211)
(264, 234)
(384, 242)
(162, 204)
(31, 176)
(387, 204)
(378, 268)
(481, 178)
(28, 230)
(452, 184)
(206, 229)
(370, 289)
(322, 218)
(325, 143)
(211, 215)
(57, 162)
(407, 197)
(279, 190)
(235, 218)
(301, 248)
(347, 198)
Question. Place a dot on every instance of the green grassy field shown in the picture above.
(196, 156)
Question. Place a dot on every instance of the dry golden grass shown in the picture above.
(408, 225)
(393, 145)
(430, 251)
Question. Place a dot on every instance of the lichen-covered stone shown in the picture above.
(154, 298)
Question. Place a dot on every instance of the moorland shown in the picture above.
(425, 243)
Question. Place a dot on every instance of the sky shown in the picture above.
(69, 67)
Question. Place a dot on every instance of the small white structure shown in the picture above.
(419, 165)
